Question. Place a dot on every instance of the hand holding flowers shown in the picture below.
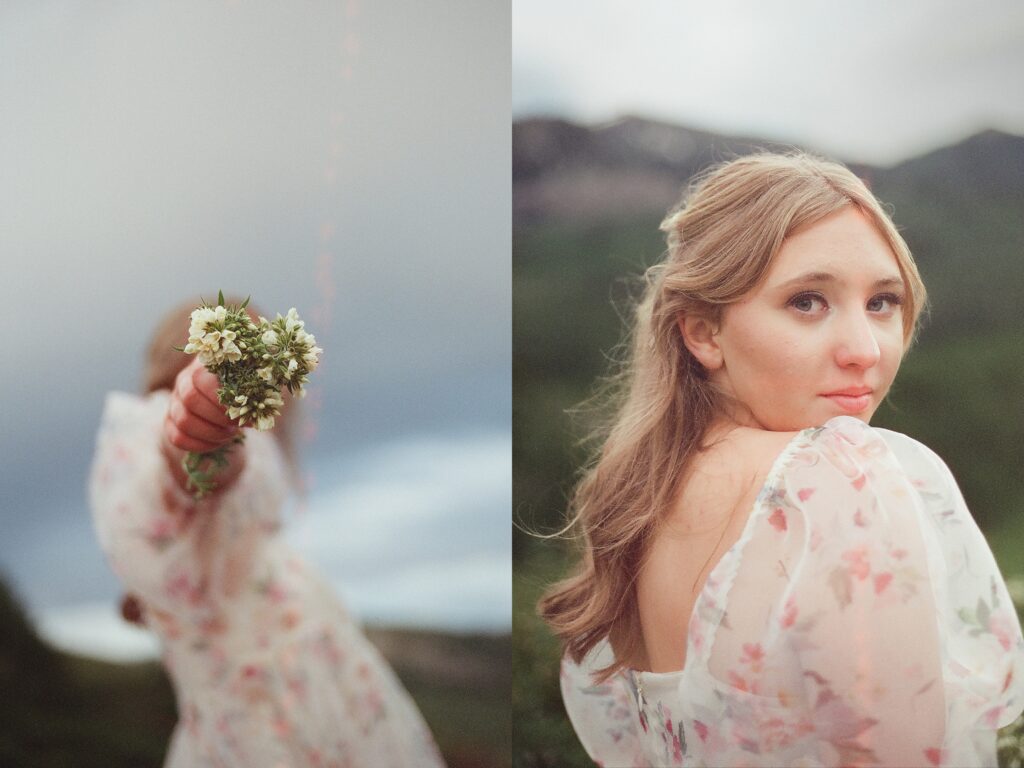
(251, 364)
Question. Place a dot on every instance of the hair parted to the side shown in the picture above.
(721, 239)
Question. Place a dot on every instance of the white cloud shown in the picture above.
(96, 629)
(473, 593)
(868, 80)
(417, 531)
(415, 480)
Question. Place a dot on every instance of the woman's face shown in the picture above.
(822, 335)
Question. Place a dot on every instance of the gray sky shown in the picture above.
(350, 159)
(871, 81)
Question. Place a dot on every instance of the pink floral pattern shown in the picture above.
(267, 667)
(890, 638)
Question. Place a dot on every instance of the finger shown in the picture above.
(197, 427)
(186, 391)
(211, 413)
(207, 384)
(179, 439)
(195, 400)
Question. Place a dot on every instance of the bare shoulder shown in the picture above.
(732, 465)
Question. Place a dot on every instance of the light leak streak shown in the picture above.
(324, 268)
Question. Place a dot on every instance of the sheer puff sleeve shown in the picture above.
(897, 614)
(178, 555)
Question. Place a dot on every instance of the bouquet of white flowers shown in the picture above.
(254, 363)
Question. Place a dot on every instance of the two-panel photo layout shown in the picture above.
(493, 384)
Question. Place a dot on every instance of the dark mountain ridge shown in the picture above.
(961, 208)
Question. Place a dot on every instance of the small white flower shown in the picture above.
(233, 412)
(270, 338)
(231, 352)
(312, 358)
(200, 319)
(263, 423)
(292, 321)
(267, 374)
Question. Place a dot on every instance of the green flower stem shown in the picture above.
(201, 468)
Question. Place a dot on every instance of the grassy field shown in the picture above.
(62, 710)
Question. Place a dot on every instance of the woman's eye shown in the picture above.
(807, 302)
(884, 303)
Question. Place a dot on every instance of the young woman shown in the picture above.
(766, 580)
(267, 667)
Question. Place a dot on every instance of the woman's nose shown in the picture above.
(857, 345)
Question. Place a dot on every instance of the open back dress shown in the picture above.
(859, 619)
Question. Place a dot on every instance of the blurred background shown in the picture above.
(617, 111)
(350, 159)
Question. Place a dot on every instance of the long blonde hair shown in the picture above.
(721, 239)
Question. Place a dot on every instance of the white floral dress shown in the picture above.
(268, 669)
(859, 619)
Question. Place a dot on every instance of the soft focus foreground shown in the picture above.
(587, 203)
(60, 709)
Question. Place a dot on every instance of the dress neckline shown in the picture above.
(771, 479)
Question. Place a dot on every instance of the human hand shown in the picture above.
(195, 420)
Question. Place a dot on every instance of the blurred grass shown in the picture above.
(543, 736)
(60, 710)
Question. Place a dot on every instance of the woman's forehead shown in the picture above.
(844, 247)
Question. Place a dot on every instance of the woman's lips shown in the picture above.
(851, 403)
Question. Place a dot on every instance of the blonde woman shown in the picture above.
(267, 667)
(767, 580)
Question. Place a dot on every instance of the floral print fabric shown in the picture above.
(860, 619)
(267, 667)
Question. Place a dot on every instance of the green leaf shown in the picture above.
(177, 349)
(220, 298)
(246, 302)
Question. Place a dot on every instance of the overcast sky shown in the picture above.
(873, 81)
(339, 157)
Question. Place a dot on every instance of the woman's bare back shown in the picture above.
(707, 518)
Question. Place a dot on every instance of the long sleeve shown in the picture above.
(862, 612)
(178, 556)
(985, 647)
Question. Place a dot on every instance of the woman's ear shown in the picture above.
(699, 336)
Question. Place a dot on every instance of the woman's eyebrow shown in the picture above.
(827, 277)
